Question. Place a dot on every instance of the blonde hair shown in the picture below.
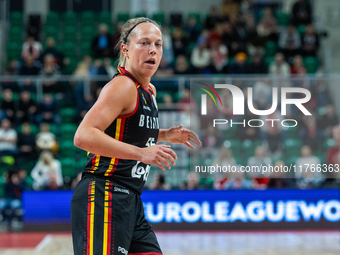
(126, 34)
(46, 157)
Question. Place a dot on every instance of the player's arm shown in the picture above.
(178, 134)
(118, 97)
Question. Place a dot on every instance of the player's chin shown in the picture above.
(150, 70)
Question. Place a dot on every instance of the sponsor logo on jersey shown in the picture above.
(146, 108)
(122, 250)
(121, 190)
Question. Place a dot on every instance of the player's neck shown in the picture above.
(142, 80)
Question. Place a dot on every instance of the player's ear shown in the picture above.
(124, 49)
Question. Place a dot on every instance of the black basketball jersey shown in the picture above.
(140, 128)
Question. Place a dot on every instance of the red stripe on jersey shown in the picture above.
(145, 253)
(134, 111)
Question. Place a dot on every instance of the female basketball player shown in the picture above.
(120, 132)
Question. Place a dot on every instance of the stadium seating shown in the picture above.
(122, 17)
(16, 19)
(283, 19)
(68, 167)
(105, 18)
(87, 18)
(52, 19)
(70, 19)
(311, 64)
(159, 18)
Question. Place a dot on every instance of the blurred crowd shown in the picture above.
(234, 38)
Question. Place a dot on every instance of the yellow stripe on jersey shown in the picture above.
(118, 127)
(91, 218)
(96, 164)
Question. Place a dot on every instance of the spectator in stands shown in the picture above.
(309, 177)
(12, 67)
(246, 6)
(46, 140)
(239, 66)
(192, 30)
(325, 123)
(310, 41)
(179, 42)
(29, 67)
(263, 87)
(192, 183)
(302, 13)
(110, 70)
(84, 106)
(26, 144)
(97, 69)
(27, 108)
(52, 50)
(47, 110)
(258, 66)
(47, 173)
(115, 38)
(8, 109)
(200, 58)
(212, 18)
(279, 67)
(322, 92)
(279, 179)
(226, 109)
(31, 47)
(185, 102)
(231, 39)
(159, 183)
(168, 51)
(8, 139)
(12, 199)
(50, 72)
(272, 133)
(219, 56)
(102, 44)
(182, 65)
(164, 69)
(308, 131)
(251, 133)
(82, 72)
(168, 104)
(230, 7)
(237, 181)
(298, 66)
(225, 159)
(289, 42)
(259, 159)
(334, 152)
(267, 29)
(250, 30)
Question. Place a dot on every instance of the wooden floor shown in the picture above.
(177, 243)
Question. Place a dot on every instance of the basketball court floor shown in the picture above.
(191, 243)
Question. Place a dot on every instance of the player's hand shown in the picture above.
(182, 136)
(158, 155)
